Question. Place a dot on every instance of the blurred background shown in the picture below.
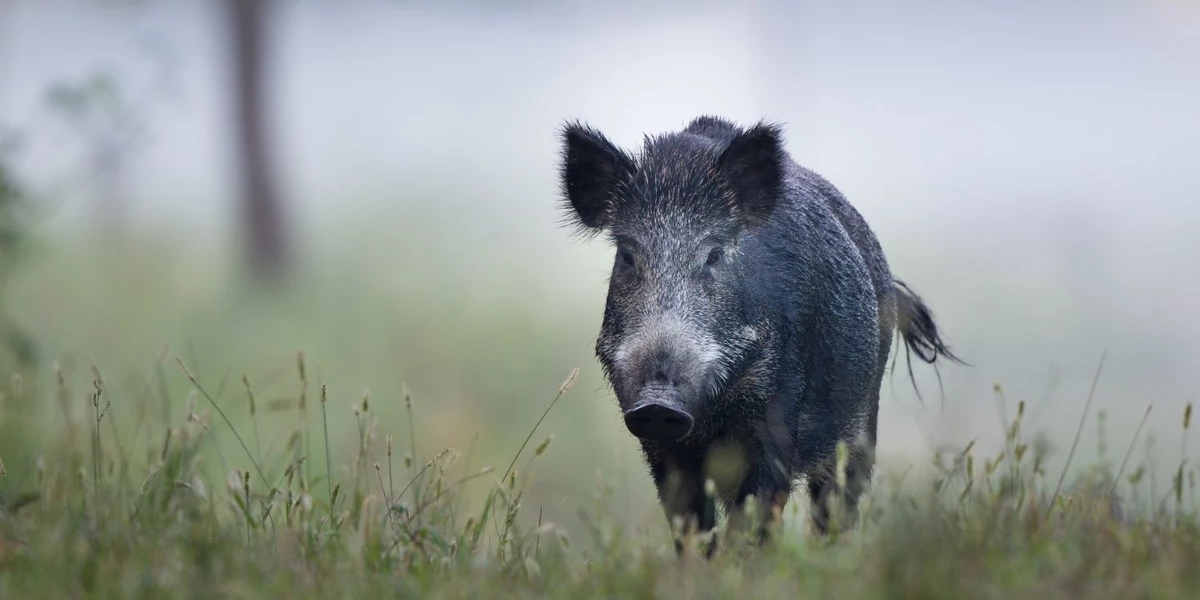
(374, 184)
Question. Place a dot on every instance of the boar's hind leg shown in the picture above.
(681, 492)
(823, 490)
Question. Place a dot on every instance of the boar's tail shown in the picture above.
(914, 322)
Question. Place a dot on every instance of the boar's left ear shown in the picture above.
(592, 171)
(753, 166)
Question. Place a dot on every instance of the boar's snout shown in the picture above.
(660, 373)
(658, 417)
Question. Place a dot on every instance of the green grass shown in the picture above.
(407, 451)
(147, 513)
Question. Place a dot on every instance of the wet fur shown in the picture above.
(806, 329)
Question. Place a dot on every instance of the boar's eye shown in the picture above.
(714, 256)
(626, 258)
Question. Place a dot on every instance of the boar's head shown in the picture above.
(678, 323)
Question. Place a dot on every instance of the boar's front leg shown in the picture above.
(769, 482)
(680, 483)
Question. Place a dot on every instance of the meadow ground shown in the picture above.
(172, 442)
(107, 515)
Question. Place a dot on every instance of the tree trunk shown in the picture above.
(262, 210)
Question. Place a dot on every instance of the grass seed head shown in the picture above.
(570, 381)
(166, 444)
(541, 449)
(249, 394)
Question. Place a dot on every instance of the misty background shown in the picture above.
(1030, 169)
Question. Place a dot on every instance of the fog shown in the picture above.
(1030, 169)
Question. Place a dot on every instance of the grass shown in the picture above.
(177, 478)
(146, 514)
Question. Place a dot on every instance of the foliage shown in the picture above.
(14, 219)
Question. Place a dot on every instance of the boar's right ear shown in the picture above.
(593, 168)
(753, 166)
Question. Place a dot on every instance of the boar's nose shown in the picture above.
(658, 420)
